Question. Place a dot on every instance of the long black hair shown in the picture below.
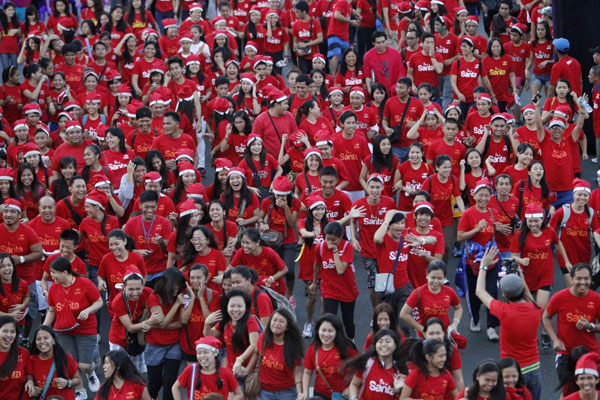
(30, 10)
(449, 345)
(37, 188)
(248, 122)
(543, 184)
(323, 91)
(262, 156)
(121, 25)
(525, 231)
(511, 362)
(62, 264)
(548, 35)
(421, 349)
(182, 235)
(60, 356)
(67, 8)
(85, 172)
(218, 380)
(568, 97)
(163, 171)
(171, 277)
(124, 367)
(392, 315)
(381, 87)
(380, 160)
(61, 186)
(6, 24)
(310, 226)
(343, 65)
(10, 362)
(499, 391)
(341, 341)
(399, 357)
(240, 337)
(189, 254)
(131, 13)
(14, 279)
(293, 344)
(245, 193)
(118, 132)
(569, 377)
(304, 109)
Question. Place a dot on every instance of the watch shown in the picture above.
(484, 267)
(21, 259)
(591, 328)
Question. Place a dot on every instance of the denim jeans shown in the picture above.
(401, 153)
(6, 60)
(563, 197)
(446, 91)
(289, 394)
(533, 381)
(159, 18)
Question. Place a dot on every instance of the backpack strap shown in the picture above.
(521, 191)
(76, 217)
(84, 120)
(193, 381)
(566, 215)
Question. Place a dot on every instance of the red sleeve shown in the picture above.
(276, 260)
(72, 366)
(439, 245)
(455, 189)
(309, 358)
(91, 292)
(412, 299)
(184, 378)
(141, 264)
(551, 307)
(556, 218)
(118, 307)
(514, 244)
(265, 307)
(464, 224)
(454, 299)
(348, 255)
(412, 379)
(454, 68)
(554, 74)
(171, 247)
(253, 325)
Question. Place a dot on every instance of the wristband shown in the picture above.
(69, 383)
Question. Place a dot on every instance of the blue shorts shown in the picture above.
(336, 46)
(543, 80)
(156, 355)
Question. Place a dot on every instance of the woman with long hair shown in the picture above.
(35, 90)
(465, 75)
(435, 329)
(233, 145)
(202, 249)
(203, 301)
(155, 161)
(325, 356)
(11, 88)
(224, 231)
(122, 378)
(116, 26)
(412, 173)
(207, 377)
(261, 168)
(431, 376)
(308, 181)
(238, 197)
(543, 52)
(383, 163)
(30, 188)
(379, 97)
(127, 55)
(384, 317)
(246, 98)
(498, 74)
(11, 32)
(13, 360)
(473, 169)
(33, 156)
(30, 52)
(163, 353)
(139, 18)
(310, 119)
(338, 284)
(534, 189)
(45, 353)
(513, 379)
(189, 217)
(186, 177)
(280, 350)
(520, 169)
(382, 365)
(239, 329)
(563, 97)
(14, 151)
(350, 72)
(14, 292)
(113, 266)
(144, 65)
(67, 169)
(428, 128)
(62, 9)
(72, 303)
(117, 155)
(487, 383)
(92, 155)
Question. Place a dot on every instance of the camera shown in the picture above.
(535, 98)
(509, 266)
(515, 223)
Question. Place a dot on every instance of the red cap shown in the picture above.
(222, 163)
(184, 167)
(581, 185)
(93, 97)
(192, 59)
(588, 364)
(467, 38)
(253, 137)
(97, 197)
(423, 205)
(209, 343)
(404, 8)
(6, 174)
(534, 211)
(183, 154)
(282, 186)
(336, 89)
(153, 176)
(485, 96)
(132, 270)
(498, 116)
(30, 149)
(187, 207)
(99, 180)
(65, 114)
(277, 96)
(377, 177)
(458, 10)
(319, 56)
(72, 125)
(124, 90)
(322, 138)
(196, 7)
(249, 78)
(358, 90)
(312, 151)
(32, 107)
(563, 112)
(483, 184)
(186, 37)
(295, 138)
(12, 203)
(252, 45)
(221, 105)
(314, 201)
(132, 108)
(186, 92)
(169, 22)
(236, 170)
(472, 19)
(112, 74)
(528, 107)
(20, 123)
(195, 190)
(71, 104)
(521, 28)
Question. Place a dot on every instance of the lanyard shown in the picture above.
(147, 234)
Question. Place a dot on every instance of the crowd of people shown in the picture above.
(395, 133)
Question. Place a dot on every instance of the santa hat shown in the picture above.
(557, 122)
(319, 56)
(71, 104)
(248, 77)
(112, 75)
(183, 154)
(323, 138)
(581, 185)
(93, 97)
(312, 151)
(186, 37)
(20, 123)
(196, 7)
(483, 184)
(187, 207)
(186, 92)
(485, 97)
(133, 107)
(184, 167)
(89, 72)
(295, 138)
(563, 112)
(97, 197)
(222, 163)
(30, 149)
(169, 23)
(124, 90)
(460, 10)
(65, 114)
(251, 45)
(423, 205)
(276, 96)
(468, 39)
(498, 116)
(236, 171)
(153, 176)
(99, 180)
(357, 90)
(377, 177)
(534, 211)
(336, 89)
(72, 125)
(588, 364)
(155, 98)
(12, 203)
(314, 201)
(32, 107)
(282, 186)
(520, 28)
(195, 191)
(528, 108)
(453, 106)
(259, 60)
(473, 19)
(6, 174)
(252, 138)
(221, 105)
(209, 343)
(132, 270)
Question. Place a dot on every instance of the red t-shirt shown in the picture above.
(113, 270)
(393, 110)
(518, 336)
(423, 69)
(129, 390)
(351, 152)
(74, 299)
(499, 153)
(330, 363)
(428, 136)
(65, 150)
(77, 264)
(371, 221)
(195, 325)
(168, 146)
(276, 42)
(542, 52)
(157, 261)
(447, 48)
(570, 69)
(306, 183)
(39, 369)
(456, 152)
(498, 72)
(339, 28)
(49, 237)
(116, 334)
(596, 114)
(441, 196)
(18, 243)
(209, 382)
(509, 207)
(557, 159)
(10, 298)
(417, 265)
(266, 264)
(274, 372)
(11, 386)
(575, 236)
(379, 383)
(264, 172)
(215, 262)
(387, 174)
(233, 211)
(277, 219)
(337, 205)
(569, 309)
(143, 141)
(158, 336)
(333, 285)
(221, 236)
(366, 119)
(519, 55)
(466, 77)
(412, 178)
(97, 242)
(63, 211)
(433, 305)
(386, 259)
(117, 164)
(430, 387)
(252, 325)
(475, 124)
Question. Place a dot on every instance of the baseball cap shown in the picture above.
(511, 285)
(547, 11)
(561, 44)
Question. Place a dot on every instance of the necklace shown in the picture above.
(69, 287)
(116, 393)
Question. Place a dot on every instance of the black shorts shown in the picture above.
(188, 357)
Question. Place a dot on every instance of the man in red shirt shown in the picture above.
(577, 310)
(519, 320)
(498, 144)
(23, 245)
(72, 208)
(173, 140)
(73, 72)
(400, 113)
(307, 34)
(446, 44)
(178, 80)
(424, 66)
(149, 232)
(274, 123)
(382, 64)
(73, 147)
(337, 34)
(296, 100)
(566, 67)
(366, 118)
(324, 143)
(337, 202)
(100, 65)
(140, 139)
(373, 208)
(594, 79)
(448, 145)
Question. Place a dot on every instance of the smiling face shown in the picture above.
(580, 282)
(587, 383)
(383, 320)
(117, 246)
(487, 381)
(44, 342)
(385, 346)
(109, 367)
(6, 270)
(510, 376)
(206, 358)
(327, 333)
(236, 181)
(435, 280)
(438, 358)
(236, 308)
(8, 334)
(278, 324)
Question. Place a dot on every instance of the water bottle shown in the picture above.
(585, 105)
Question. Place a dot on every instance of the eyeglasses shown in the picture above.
(197, 240)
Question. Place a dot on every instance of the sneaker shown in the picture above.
(546, 343)
(292, 301)
(474, 327)
(307, 332)
(492, 335)
(80, 394)
(93, 382)
(595, 160)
